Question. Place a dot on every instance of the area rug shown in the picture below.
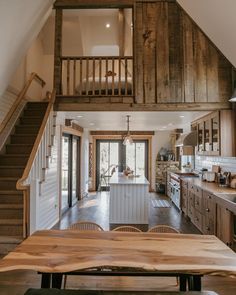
(160, 204)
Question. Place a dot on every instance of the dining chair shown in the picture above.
(86, 225)
(163, 229)
(83, 225)
(127, 228)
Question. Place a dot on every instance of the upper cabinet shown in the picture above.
(215, 134)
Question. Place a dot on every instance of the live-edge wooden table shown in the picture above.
(56, 252)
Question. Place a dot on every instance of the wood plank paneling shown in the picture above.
(225, 79)
(175, 53)
(212, 74)
(138, 61)
(162, 53)
(188, 69)
(200, 59)
(149, 51)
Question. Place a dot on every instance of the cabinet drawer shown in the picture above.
(208, 225)
(198, 219)
(190, 210)
(198, 202)
(191, 188)
(184, 184)
(197, 190)
(184, 202)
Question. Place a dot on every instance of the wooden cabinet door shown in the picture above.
(209, 214)
(198, 198)
(190, 206)
(207, 135)
(215, 134)
(200, 137)
(224, 225)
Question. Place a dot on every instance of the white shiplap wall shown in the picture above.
(6, 101)
(45, 196)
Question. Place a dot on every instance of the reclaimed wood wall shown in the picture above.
(174, 60)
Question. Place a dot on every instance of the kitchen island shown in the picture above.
(129, 201)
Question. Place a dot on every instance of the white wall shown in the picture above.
(217, 19)
(84, 162)
(159, 140)
(20, 22)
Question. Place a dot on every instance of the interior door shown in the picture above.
(65, 173)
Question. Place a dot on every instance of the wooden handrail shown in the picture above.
(96, 57)
(19, 184)
(33, 76)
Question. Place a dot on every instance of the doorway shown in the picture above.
(113, 155)
(70, 176)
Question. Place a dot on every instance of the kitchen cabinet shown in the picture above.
(184, 196)
(215, 134)
(224, 225)
(209, 213)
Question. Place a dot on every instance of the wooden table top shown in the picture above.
(67, 250)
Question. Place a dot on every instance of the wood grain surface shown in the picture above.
(68, 250)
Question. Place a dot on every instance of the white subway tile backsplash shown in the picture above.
(226, 164)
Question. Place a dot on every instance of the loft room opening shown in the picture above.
(97, 50)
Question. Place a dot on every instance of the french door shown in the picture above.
(70, 171)
(112, 154)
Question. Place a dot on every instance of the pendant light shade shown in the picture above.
(233, 97)
(128, 139)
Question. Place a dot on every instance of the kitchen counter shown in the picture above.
(119, 178)
(217, 191)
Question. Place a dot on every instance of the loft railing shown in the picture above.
(97, 76)
(38, 160)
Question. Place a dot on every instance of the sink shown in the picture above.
(229, 197)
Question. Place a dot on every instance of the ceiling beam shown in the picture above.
(122, 133)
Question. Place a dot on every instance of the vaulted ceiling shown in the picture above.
(217, 19)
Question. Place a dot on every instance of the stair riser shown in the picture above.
(19, 161)
(31, 121)
(24, 149)
(11, 213)
(6, 248)
(11, 230)
(36, 106)
(23, 139)
(33, 113)
(24, 129)
(7, 185)
(15, 172)
(11, 199)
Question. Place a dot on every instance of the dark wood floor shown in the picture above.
(95, 208)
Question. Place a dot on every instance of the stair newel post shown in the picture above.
(26, 201)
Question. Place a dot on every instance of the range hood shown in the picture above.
(187, 139)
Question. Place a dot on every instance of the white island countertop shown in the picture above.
(120, 178)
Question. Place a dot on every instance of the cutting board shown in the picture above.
(215, 168)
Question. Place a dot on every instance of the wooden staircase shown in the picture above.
(12, 165)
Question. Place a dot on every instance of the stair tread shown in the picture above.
(8, 178)
(13, 155)
(10, 239)
(11, 221)
(12, 167)
(24, 134)
(11, 206)
(11, 192)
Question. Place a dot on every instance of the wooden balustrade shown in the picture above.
(38, 160)
(97, 76)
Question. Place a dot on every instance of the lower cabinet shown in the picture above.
(206, 214)
(209, 213)
(224, 225)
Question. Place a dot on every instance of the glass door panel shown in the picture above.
(215, 134)
(136, 158)
(65, 174)
(200, 136)
(207, 136)
(75, 169)
(108, 161)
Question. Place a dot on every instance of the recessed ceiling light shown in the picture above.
(170, 124)
(108, 25)
(91, 124)
(164, 127)
(181, 116)
(79, 116)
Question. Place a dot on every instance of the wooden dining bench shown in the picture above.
(88, 292)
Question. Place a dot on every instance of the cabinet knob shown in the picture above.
(209, 197)
(208, 228)
(207, 210)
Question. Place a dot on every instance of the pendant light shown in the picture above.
(128, 139)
